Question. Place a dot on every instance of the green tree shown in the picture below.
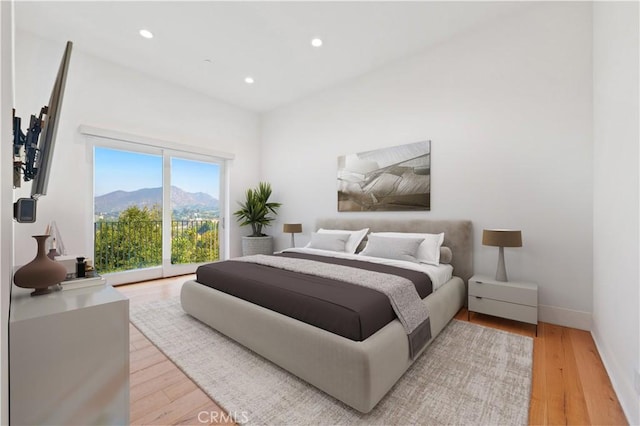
(135, 240)
(183, 246)
(195, 241)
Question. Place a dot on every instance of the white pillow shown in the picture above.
(392, 248)
(354, 237)
(429, 250)
(325, 241)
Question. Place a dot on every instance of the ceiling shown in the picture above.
(212, 46)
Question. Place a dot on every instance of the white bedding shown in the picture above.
(439, 274)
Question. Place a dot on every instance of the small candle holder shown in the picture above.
(81, 267)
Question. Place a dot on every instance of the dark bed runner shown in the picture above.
(345, 309)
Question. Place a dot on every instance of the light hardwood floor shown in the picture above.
(570, 384)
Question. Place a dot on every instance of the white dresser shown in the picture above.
(513, 300)
(69, 357)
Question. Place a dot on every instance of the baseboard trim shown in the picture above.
(623, 388)
(565, 317)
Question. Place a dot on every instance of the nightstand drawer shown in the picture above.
(522, 294)
(502, 309)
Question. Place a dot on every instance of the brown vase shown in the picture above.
(41, 272)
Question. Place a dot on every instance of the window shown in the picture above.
(157, 211)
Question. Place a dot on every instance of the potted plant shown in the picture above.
(255, 211)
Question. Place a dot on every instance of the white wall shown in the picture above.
(108, 96)
(508, 109)
(6, 198)
(616, 235)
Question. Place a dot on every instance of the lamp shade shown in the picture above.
(292, 228)
(502, 238)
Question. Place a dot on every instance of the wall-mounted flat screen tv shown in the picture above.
(48, 137)
(37, 145)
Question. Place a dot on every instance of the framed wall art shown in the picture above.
(388, 179)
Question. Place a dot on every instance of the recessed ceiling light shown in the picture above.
(316, 42)
(146, 33)
(248, 80)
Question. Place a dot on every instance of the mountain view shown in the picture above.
(184, 205)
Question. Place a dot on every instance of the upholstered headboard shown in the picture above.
(458, 235)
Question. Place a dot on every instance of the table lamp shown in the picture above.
(501, 238)
(292, 228)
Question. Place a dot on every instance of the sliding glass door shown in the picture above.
(194, 213)
(156, 212)
(127, 210)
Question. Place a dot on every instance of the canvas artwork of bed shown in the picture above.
(391, 179)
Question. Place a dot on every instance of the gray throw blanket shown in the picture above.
(402, 294)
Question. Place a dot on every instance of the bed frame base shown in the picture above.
(356, 373)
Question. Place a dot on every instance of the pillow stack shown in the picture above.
(409, 246)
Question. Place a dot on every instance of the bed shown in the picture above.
(358, 373)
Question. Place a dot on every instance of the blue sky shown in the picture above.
(196, 176)
(129, 171)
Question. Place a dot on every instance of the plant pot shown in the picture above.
(257, 245)
(41, 272)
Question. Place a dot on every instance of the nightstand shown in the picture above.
(513, 300)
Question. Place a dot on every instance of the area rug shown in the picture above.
(470, 375)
